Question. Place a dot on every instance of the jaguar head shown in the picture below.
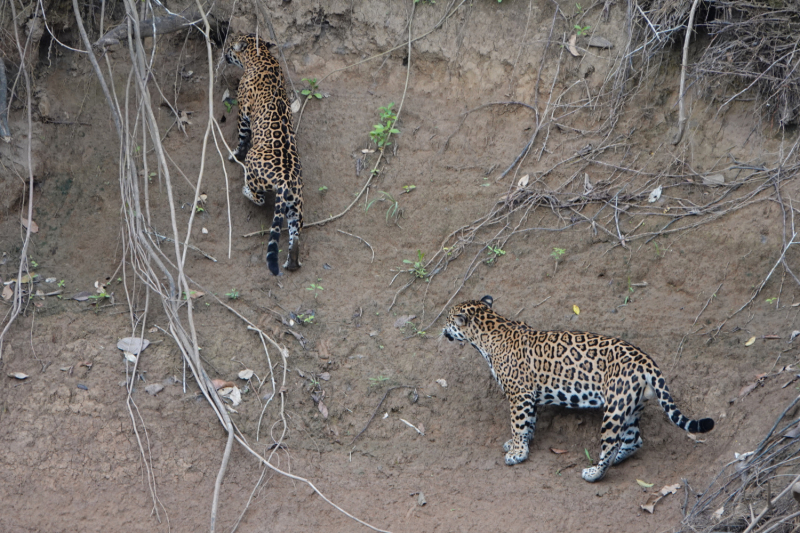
(245, 49)
(464, 320)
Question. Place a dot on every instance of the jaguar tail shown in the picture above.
(658, 383)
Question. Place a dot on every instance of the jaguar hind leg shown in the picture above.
(523, 425)
(610, 447)
(630, 437)
(294, 218)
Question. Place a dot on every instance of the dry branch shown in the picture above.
(156, 26)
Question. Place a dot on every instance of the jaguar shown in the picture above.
(267, 145)
(571, 369)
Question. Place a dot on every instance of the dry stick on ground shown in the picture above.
(377, 409)
(16, 306)
(362, 240)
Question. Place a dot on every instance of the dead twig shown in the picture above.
(362, 240)
(380, 403)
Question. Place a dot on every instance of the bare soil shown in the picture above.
(70, 460)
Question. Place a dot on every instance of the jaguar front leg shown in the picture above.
(245, 136)
(523, 425)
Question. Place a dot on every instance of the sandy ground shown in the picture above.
(70, 459)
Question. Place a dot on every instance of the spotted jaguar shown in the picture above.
(570, 369)
(267, 144)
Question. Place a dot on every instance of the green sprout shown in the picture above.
(580, 31)
(313, 90)
(418, 268)
(381, 132)
(393, 211)
(315, 287)
(233, 295)
(494, 252)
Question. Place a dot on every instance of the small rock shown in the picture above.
(154, 389)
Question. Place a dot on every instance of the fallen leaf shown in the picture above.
(523, 181)
(654, 195)
(415, 428)
(644, 484)
(373, 333)
(324, 352)
(325, 376)
(670, 489)
(654, 498)
(231, 393)
(87, 364)
(557, 451)
(51, 280)
(154, 389)
(792, 433)
(295, 106)
(600, 42)
(717, 515)
(33, 225)
(18, 375)
(196, 294)
(135, 345)
(246, 374)
(152, 330)
(747, 389)
(402, 321)
(421, 501)
(694, 437)
(322, 409)
(794, 335)
(204, 231)
(587, 185)
(8, 293)
(742, 456)
(576, 309)
(750, 341)
(129, 356)
(714, 180)
(651, 502)
(82, 296)
(442, 382)
(571, 46)
(221, 383)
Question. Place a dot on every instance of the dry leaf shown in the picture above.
(204, 231)
(135, 345)
(246, 374)
(571, 46)
(694, 437)
(654, 195)
(669, 489)
(152, 330)
(8, 293)
(576, 309)
(154, 389)
(651, 502)
(221, 383)
(644, 484)
(18, 375)
(523, 181)
(717, 515)
(231, 393)
(747, 389)
(325, 376)
(750, 341)
(792, 433)
(33, 225)
(324, 352)
(794, 335)
(558, 451)
(322, 409)
(82, 296)
(409, 424)
(129, 356)
(654, 498)
(442, 382)
(403, 320)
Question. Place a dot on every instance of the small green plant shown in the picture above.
(34, 264)
(588, 457)
(198, 209)
(381, 132)
(307, 319)
(233, 295)
(102, 295)
(229, 103)
(494, 252)
(557, 254)
(418, 268)
(323, 189)
(578, 9)
(659, 250)
(394, 210)
(408, 188)
(580, 31)
(378, 381)
(61, 283)
(315, 287)
(771, 300)
(313, 90)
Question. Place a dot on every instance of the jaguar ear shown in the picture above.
(488, 300)
(460, 320)
(239, 46)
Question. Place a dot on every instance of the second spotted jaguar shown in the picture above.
(267, 143)
(571, 369)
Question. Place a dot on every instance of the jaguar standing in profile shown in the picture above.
(570, 369)
(267, 144)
